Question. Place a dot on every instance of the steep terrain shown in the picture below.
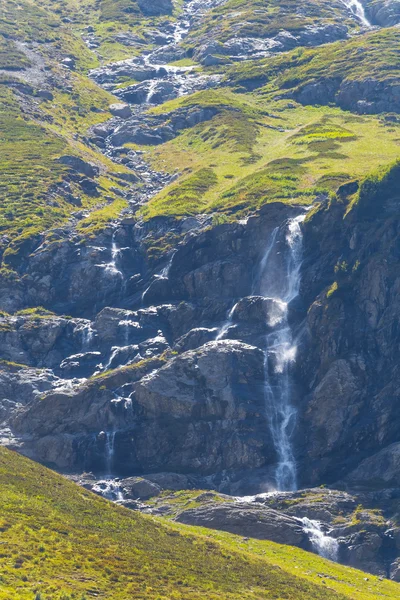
(51, 532)
(199, 276)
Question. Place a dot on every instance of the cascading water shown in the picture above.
(112, 265)
(323, 544)
(358, 10)
(109, 451)
(225, 326)
(87, 336)
(279, 279)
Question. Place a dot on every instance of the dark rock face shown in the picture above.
(250, 520)
(215, 418)
(155, 7)
(383, 12)
(348, 359)
(366, 96)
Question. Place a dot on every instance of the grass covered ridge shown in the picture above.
(261, 151)
(374, 55)
(63, 542)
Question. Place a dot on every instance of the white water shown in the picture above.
(109, 451)
(112, 265)
(152, 88)
(114, 352)
(225, 326)
(280, 349)
(323, 544)
(358, 10)
(87, 336)
(108, 488)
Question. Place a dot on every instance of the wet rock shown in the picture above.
(80, 365)
(69, 62)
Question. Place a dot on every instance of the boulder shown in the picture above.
(120, 110)
(78, 164)
(247, 519)
(155, 7)
(137, 488)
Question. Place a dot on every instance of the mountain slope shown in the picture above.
(59, 541)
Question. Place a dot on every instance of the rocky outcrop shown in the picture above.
(249, 520)
(347, 358)
(215, 422)
(155, 7)
(364, 96)
(383, 12)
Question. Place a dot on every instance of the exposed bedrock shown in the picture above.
(348, 358)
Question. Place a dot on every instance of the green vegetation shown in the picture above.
(61, 542)
(378, 191)
(27, 170)
(185, 198)
(373, 55)
(262, 152)
(12, 59)
(177, 501)
(35, 312)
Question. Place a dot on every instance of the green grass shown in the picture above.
(373, 55)
(11, 58)
(263, 151)
(378, 191)
(30, 173)
(187, 197)
(62, 542)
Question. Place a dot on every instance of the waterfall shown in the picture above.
(323, 544)
(358, 10)
(151, 90)
(279, 279)
(109, 451)
(87, 336)
(227, 323)
(111, 267)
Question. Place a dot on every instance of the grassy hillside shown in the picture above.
(373, 55)
(257, 150)
(45, 112)
(58, 541)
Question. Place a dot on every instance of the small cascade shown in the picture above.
(165, 271)
(109, 489)
(87, 337)
(114, 352)
(358, 10)
(109, 451)
(111, 267)
(225, 326)
(279, 279)
(163, 274)
(151, 90)
(126, 328)
(324, 545)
